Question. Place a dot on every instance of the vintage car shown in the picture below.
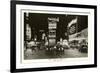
(74, 44)
(83, 46)
(61, 46)
(65, 44)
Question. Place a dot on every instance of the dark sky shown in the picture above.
(39, 21)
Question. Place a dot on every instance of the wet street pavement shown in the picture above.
(43, 54)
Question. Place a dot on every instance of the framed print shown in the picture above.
(52, 36)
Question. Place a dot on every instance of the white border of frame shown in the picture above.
(53, 62)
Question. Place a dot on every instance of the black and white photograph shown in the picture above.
(52, 36)
(48, 36)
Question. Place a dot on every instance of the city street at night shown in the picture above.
(50, 36)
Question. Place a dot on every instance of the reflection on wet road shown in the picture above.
(43, 54)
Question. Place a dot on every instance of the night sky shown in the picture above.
(39, 21)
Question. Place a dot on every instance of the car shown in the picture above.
(59, 47)
(74, 44)
(65, 44)
(83, 46)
